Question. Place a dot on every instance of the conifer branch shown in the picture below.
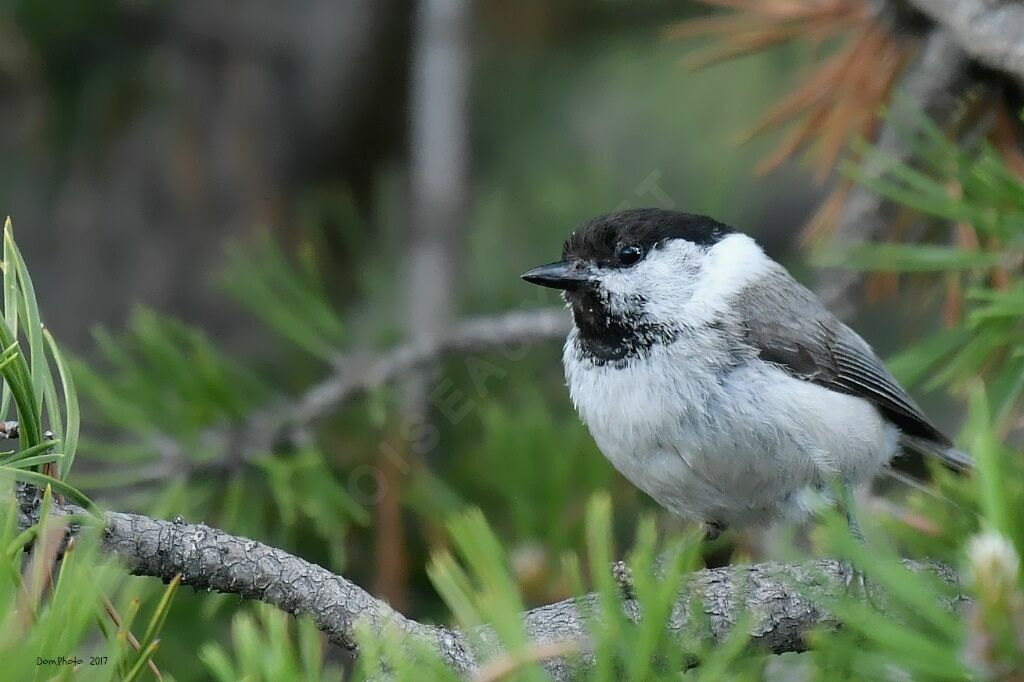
(779, 602)
(931, 86)
(287, 423)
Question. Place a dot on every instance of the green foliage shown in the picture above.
(525, 430)
(204, 437)
(50, 599)
(267, 644)
(163, 377)
(50, 610)
(25, 378)
(482, 594)
(290, 300)
(972, 186)
(60, 624)
(46, 421)
(974, 190)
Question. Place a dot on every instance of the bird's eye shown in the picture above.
(629, 254)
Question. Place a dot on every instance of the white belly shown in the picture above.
(739, 447)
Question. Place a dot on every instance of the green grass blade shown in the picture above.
(72, 414)
(156, 623)
(29, 462)
(42, 480)
(17, 376)
(21, 541)
(10, 306)
(39, 449)
(29, 310)
(141, 662)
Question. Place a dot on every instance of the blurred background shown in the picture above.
(141, 137)
(217, 200)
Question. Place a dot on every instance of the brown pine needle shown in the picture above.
(1006, 140)
(737, 45)
(838, 100)
(953, 305)
(1001, 278)
(719, 24)
(785, 9)
(967, 237)
(795, 139)
(881, 285)
(506, 664)
(116, 617)
(822, 224)
(811, 90)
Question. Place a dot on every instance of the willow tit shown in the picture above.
(717, 383)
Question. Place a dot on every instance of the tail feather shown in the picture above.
(957, 460)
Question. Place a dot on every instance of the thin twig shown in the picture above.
(352, 378)
(9, 430)
(352, 375)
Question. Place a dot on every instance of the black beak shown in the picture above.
(561, 275)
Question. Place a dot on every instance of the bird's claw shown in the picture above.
(712, 530)
(854, 580)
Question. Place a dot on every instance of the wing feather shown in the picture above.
(797, 333)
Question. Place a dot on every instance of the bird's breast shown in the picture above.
(649, 417)
(719, 441)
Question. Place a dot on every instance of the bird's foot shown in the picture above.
(712, 530)
(854, 580)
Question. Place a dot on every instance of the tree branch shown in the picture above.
(989, 31)
(782, 600)
(352, 375)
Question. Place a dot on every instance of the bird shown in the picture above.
(717, 383)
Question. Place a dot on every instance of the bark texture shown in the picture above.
(989, 31)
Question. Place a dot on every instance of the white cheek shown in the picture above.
(698, 295)
(665, 276)
(732, 265)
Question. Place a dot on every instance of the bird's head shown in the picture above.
(650, 269)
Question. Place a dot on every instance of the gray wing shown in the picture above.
(797, 333)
